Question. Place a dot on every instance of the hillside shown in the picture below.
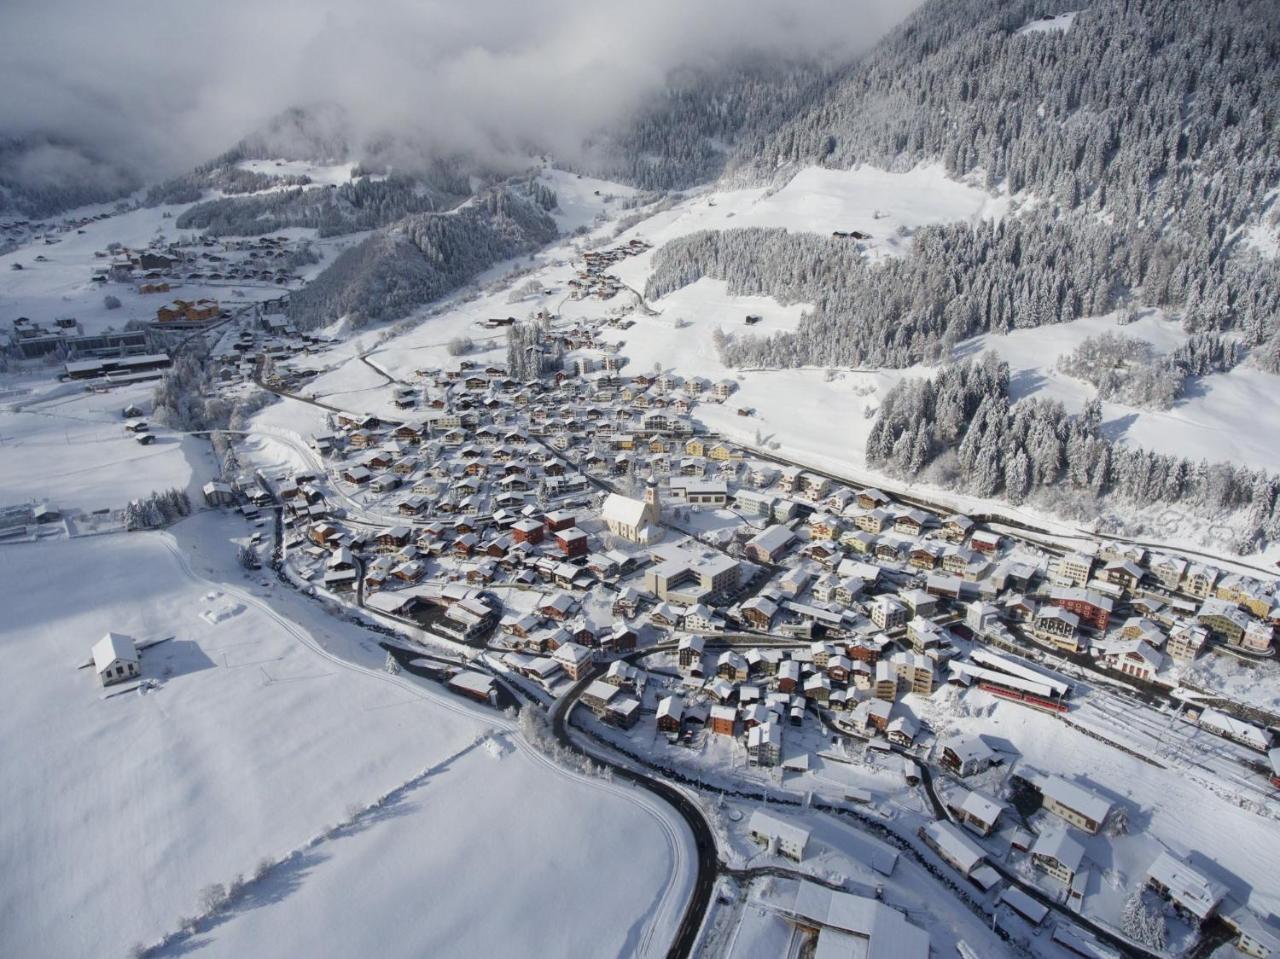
(422, 257)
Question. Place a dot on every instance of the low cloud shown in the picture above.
(158, 87)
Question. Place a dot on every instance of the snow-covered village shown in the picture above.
(731, 552)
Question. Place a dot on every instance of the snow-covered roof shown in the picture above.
(962, 851)
(766, 824)
(863, 926)
(1075, 797)
(1187, 887)
(1058, 844)
(113, 647)
(623, 509)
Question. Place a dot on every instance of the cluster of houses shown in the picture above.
(558, 522)
(162, 267)
(981, 829)
(593, 278)
(574, 483)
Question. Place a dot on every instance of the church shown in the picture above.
(636, 520)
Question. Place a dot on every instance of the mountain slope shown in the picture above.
(423, 257)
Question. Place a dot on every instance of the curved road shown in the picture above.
(703, 838)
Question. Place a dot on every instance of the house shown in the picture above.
(966, 755)
(623, 711)
(764, 744)
(574, 659)
(527, 531)
(1224, 620)
(474, 685)
(977, 812)
(1081, 807)
(1058, 853)
(1123, 573)
(953, 846)
(571, 542)
(1192, 893)
(689, 651)
(115, 659)
(219, 494)
(914, 671)
(769, 545)
(1136, 658)
(885, 686)
(902, 731)
(1058, 628)
(1074, 569)
(1092, 608)
(772, 832)
(724, 720)
(956, 527)
(888, 614)
(758, 612)
(598, 695)
(1185, 641)
(670, 714)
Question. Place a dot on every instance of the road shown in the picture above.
(704, 839)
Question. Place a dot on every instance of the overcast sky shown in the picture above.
(161, 86)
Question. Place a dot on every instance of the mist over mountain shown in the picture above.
(393, 82)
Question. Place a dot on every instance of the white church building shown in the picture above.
(637, 520)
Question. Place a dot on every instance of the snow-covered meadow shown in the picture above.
(272, 723)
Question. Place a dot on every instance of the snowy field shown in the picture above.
(270, 726)
(70, 447)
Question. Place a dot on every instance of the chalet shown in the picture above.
(724, 720)
(976, 811)
(1123, 573)
(557, 607)
(572, 542)
(219, 494)
(770, 545)
(1092, 608)
(764, 744)
(758, 612)
(902, 731)
(985, 541)
(1074, 804)
(473, 685)
(966, 755)
(115, 659)
(953, 846)
(689, 650)
(1058, 627)
(670, 714)
(574, 659)
(873, 521)
(774, 833)
(1192, 893)
(1199, 580)
(956, 527)
(598, 695)
(1058, 853)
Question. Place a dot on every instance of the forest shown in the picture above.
(958, 429)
